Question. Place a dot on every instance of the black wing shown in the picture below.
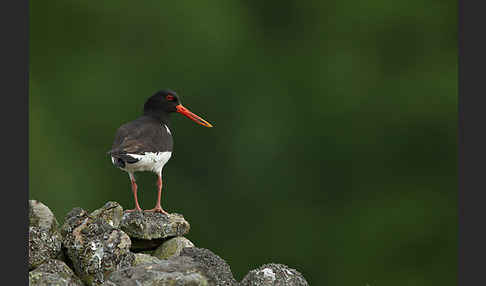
(140, 136)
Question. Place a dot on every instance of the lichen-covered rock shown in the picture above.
(49, 279)
(274, 275)
(56, 266)
(41, 216)
(97, 247)
(43, 245)
(150, 225)
(94, 246)
(195, 266)
(141, 258)
(111, 212)
(53, 272)
(181, 271)
(172, 247)
(44, 237)
(214, 267)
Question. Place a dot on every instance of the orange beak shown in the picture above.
(181, 109)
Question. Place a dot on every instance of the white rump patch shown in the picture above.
(149, 161)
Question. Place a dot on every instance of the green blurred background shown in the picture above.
(334, 147)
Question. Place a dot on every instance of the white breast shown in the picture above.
(150, 161)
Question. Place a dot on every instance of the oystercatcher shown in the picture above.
(145, 144)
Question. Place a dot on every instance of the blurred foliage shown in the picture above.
(334, 147)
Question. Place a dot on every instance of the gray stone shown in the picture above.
(111, 213)
(55, 266)
(43, 245)
(41, 216)
(94, 246)
(181, 271)
(195, 266)
(44, 237)
(53, 272)
(214, 267)
(49, 279)
(274, 275)
(150, 225)
(141, 258)
(172, 247)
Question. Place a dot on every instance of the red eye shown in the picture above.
(169, 97)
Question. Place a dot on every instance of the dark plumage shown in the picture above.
(145, 144)
(144, 134)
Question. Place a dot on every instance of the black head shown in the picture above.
(164, 101)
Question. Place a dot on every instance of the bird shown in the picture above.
(145, 144)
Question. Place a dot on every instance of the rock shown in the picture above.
(48, 279)
(213, 266)
(272, 275)
(56, 266)
(178, 271)
(111, 213)
(149, 225)
(53, 272)
(95, 250)
(94, 246)
(172, 247)
(41, 216)
(195, 266)
(141, 258)
(44, 237)
(43, 245)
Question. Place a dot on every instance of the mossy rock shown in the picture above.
(111, 213)
(141, 258)
(149, 225)
(94, 246)
(53, 272)
(44, 236)
(181, 271)
(274, 274)
(172, 247)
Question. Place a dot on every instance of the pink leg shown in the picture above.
(158, 207)
(134, 190)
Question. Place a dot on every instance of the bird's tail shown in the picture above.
(120, 159)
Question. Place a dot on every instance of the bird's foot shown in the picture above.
(158, 209)
(138, 209)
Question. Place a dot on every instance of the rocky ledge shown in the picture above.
(110, 247)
